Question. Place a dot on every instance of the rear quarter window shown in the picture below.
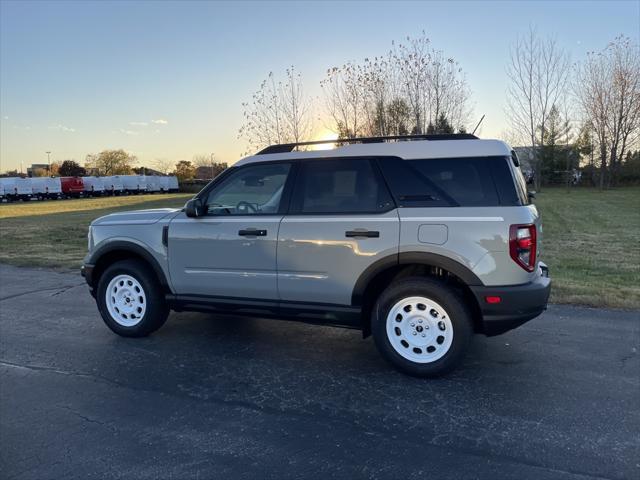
(465, 182)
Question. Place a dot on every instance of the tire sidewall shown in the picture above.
(449, 300)
(156, 310)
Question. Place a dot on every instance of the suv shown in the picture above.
(419, 241)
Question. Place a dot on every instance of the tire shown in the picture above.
(421, 326)
(136, 306)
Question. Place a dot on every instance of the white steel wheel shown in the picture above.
(419, 329)
(125, 300)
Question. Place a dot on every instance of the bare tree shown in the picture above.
(344, 96)
(608, 89)
(163, 165)
(278, 112)
(361, 97)
(539, 71)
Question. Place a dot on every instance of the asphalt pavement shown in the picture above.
(220, 397)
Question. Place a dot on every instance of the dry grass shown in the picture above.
(54, 233)
(591, 238)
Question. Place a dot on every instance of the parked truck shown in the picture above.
(72, 187)
(113, 185)
(134, 184)
(93, 186)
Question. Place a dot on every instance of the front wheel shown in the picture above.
(130, 299)
(421, 326)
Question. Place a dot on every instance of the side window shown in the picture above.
(444, 182)
(252, 190)
(339, 186)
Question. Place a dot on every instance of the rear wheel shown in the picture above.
(130, 299)
(421, 326)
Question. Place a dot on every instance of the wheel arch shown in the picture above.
(123, 250)
(384, 271)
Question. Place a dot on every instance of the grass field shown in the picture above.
(54, 233)
(591, 238)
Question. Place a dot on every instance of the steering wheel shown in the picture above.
(242, 205)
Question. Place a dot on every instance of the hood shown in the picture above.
(135, 217)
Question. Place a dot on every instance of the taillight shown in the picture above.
(522, 246)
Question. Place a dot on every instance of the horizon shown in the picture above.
(166, 80)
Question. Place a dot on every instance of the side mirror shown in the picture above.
(531, 195)
(194, 208)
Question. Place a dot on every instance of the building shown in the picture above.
(35, 167)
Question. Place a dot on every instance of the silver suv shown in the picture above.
(419, 241)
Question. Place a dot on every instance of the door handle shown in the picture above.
(252, 232)
(362, 233)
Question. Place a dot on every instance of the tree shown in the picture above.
(111, 162)
(163, 165)
(539, 71)
(398, 117)
(278, 112)
(406, 90)
(343, 96)
(442, 126)
(185, 170)
(70, 168)
(608, 89)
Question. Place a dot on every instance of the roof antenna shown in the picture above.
(474, 130)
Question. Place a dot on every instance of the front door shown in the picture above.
(231, 251)
(342, 220)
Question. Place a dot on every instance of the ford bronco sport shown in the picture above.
(420, 241)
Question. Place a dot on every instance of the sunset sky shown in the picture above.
(165, 80)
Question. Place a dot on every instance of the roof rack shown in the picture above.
(289, 147)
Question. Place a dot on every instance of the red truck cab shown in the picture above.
(72, 186)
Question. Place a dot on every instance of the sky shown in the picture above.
(165, 80)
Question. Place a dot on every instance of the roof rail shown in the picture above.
(289, 147)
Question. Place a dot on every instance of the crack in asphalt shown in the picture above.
(58, 291)
(284, 412)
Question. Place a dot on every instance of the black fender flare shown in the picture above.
(408, 258)
(131, 247)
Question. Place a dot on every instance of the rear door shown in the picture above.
(231, 251)
(342, 219)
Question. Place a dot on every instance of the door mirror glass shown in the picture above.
(194, 208)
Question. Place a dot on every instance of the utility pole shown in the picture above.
(48, 162)
(212, 157)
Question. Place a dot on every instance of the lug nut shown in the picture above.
(424, 334)
(415, 333)
(420, 321)
(413, 324)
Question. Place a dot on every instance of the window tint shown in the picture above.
(339, 186)
(466, 182)
(253, 190)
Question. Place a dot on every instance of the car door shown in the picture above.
(342, 219)
(231, 250)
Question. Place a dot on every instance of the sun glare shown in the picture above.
(326, 135)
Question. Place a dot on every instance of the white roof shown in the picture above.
(413, 149)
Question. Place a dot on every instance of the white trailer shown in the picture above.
(134, 183)
(9, 188)
(173, 184)
(38, 187)
(153, 183)
(1, 192)
(54, 187)
(113, 185)
(24, 190)
(93, 185)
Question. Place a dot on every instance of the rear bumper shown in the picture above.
(518, 304)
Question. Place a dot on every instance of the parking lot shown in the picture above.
(213, 397)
